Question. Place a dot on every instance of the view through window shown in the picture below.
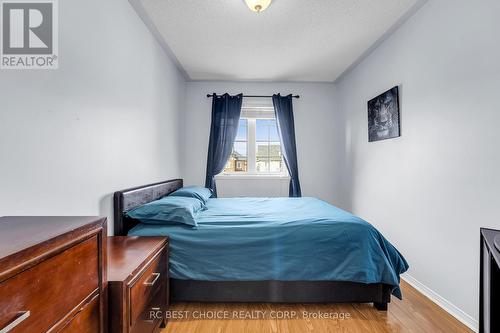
(268, 151)
(257, 148)
(238, 161)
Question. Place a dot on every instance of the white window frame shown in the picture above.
(251, 113)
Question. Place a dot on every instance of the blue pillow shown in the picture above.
(168, 210)
(198, 192)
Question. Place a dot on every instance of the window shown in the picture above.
(238, 160)
(257, 148)
(268, 147)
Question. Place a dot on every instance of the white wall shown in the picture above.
(430, 190)
(231, 186)
(107, 119)
(315, 127)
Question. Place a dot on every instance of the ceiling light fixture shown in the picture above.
(258, 5)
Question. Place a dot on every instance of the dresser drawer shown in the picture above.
(51, 289)
(145, 322)
(150, 284)
(86, 321)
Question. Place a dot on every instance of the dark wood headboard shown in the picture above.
(130, 198)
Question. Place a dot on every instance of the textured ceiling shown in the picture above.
(308, 40)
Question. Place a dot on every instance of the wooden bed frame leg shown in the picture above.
(380, 306)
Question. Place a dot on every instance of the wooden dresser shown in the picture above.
(53, 274)
(138, 283)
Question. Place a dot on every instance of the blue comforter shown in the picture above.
(288, 239)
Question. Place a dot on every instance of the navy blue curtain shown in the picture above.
(226, 112)
(284, 117)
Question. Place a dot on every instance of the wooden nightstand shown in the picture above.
(137, 283)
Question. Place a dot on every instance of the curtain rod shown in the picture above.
(255, 96)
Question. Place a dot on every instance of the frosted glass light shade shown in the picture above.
(258, 5)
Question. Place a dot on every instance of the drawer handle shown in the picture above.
(23, 316)
(146, 283)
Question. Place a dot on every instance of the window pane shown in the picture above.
(266, 130)
(273, 132)
(242, 131)
(262, 150)
(262, 165)
(237, 161)
(275, 166)
(268, 146)
(274, 149)
(240, 149)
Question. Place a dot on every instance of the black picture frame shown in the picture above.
(384, 120)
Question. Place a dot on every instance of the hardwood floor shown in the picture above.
(415, 314)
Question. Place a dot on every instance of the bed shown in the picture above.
(270, 250)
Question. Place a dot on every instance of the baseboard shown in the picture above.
(442, 302)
